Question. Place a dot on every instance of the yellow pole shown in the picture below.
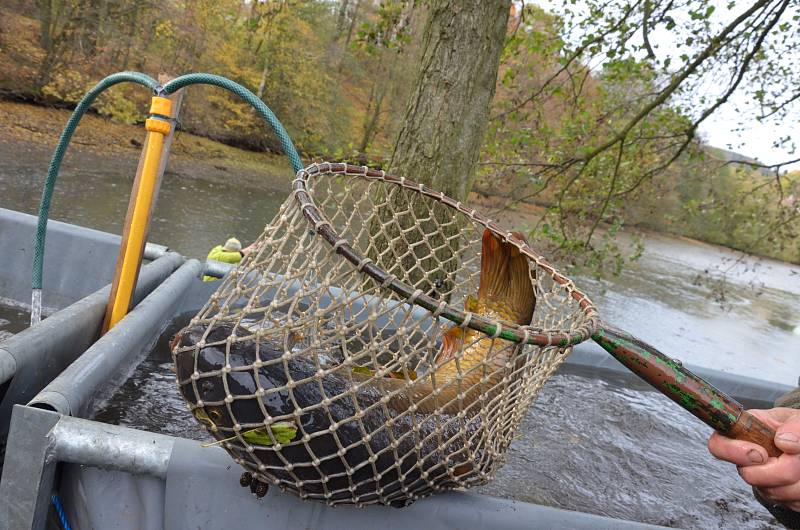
(157, 127)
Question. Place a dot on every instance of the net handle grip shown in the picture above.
(667, 375)
(749, 428)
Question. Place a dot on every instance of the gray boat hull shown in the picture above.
(115, 477)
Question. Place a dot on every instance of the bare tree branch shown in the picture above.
(713, 47)
(759, 165)
(780, 107)
(608, 195)
(645, 23)
(571, 59)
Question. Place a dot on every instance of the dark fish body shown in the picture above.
(350, 447)
(350, 435)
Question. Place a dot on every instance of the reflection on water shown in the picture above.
(192, 215)
(619, 449)
(660, 300)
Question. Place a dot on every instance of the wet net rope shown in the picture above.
(362, 356)
(384, 341)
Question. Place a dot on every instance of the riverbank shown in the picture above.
(191, 156)
(29, 127)
(210, 160)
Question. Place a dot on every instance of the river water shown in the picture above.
(13, 319)
(632, 454)
(612, 458)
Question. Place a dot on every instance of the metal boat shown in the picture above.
(108, 476)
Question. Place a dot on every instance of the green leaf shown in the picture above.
(362, 370)
(282, 431)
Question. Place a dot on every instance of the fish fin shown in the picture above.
(506, 276)
(452, 343)
(520, 287)
(176, 339)
(494, 268)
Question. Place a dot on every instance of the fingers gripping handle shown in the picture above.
(750, 429)
(693, 393)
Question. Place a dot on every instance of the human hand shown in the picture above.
(776, 479)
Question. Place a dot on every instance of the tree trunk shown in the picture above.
(349, 35)
(341, 18)
(352, 25)
(92, 27)
(446, 116)
(262, 85)
(132, 29)
(374, 108)
(362, 145)
(46, 18)
(440, 140)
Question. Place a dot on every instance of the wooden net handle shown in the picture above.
(749, 428)
(667, 375)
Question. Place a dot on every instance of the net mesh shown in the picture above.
(322, 363)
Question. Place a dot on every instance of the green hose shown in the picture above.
(262, 109)
(142, 79)
(52, 174)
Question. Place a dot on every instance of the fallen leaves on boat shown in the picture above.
(283, 432)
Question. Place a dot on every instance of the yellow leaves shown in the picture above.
(471, 304)
(313, 81)
(67, 85)
(164, 29)
(203, 417)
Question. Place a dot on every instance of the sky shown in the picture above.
(733, 126)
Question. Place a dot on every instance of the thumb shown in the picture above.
(787, 435)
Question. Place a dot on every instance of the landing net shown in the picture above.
(350, 358)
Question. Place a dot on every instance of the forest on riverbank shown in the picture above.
(339, 74)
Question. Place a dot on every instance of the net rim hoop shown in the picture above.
(507, 331)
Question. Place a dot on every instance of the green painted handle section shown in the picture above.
(669, 377)
(711, 405)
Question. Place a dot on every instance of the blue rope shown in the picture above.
(62, 516)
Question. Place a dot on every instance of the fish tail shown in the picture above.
(506, 277)
(520, 286)
(494, 268)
